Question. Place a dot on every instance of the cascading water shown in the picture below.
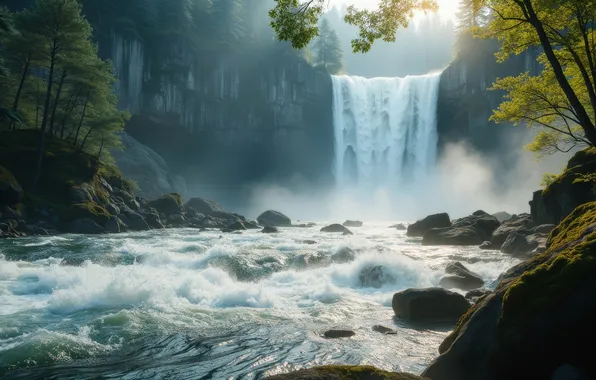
(385, 130)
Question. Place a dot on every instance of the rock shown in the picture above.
(347, 232)
(269, 230)
(147, 169)
(518, 245)
(338, 372)
(374, 277)
(236, 226)
(419, 228)
(537, 318)
(112, 209)
(84, 226)
(203, 206)
(168, 204)
(384, 330)
(10, 213)
(483, 223)
(33, 230)
(522, 223)
(78, 194)
(543, 229)
(461, 278)
(274, 219)
(251, 225)
(211, 222)
(343, 255)
(474, 295)
(113, 226)
(399, 227)
(309, 242)
(310, 260)
(452, 236)
(432, 305)
(353, 223)
(134, 221)
(502, 216)
(11, 191)
(153, 219)
(177, 220)
(486, 245)
(338, 334)
(335, 228)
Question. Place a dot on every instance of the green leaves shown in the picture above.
(296, 21)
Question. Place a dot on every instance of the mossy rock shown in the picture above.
(338, 372)
(89, 210)
(11, 191)
(167, 204)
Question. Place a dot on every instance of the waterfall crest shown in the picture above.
(385, 130)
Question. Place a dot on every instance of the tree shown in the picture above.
(562, 100)
(297, 20)
(327, 49)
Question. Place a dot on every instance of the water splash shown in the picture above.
(385, 130)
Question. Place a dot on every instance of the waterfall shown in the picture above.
(129, 65)
(385, 130)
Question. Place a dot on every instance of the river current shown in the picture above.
(184, 304)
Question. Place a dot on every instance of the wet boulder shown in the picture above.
(334, 334)
(384, 330)
(517, 244)
(274, 219)
(343, 255)
(336, 228)
(134, 221)
(84, 226)
(269, 230)
(168, 204)
(460, 277)
(419, 228)
(452, 236)
(480, 221)
(521, 223)
(203, 206)
(353, 223)
(431, 305)
(375, 277)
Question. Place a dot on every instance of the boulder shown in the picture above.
(177, 220)
(347, 232)
(33, 230)
(343, 255)
(134, 221)
(384, 330)
(486, 245)
(115, 225)
(251, 225)
(502, 216)
(211, 222)
(274, 219)
(168, 204)
(335, 228)
(521, 223)
(11, 192)
(399, 227)
(474, 295)
(333, 334)
(517, 244)
(539, 317)
(337, 372)
(353, 223)
(460, 278)
(543, 229)
(236, 226)
(79, 194)
(112, 209)
(431, 305)
(419, 228)
(374, 277)
(452, 236)
(203, 206)
(269, 230)
(153, 219)
(480, 221)
(84, 226)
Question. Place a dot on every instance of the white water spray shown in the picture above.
(385, 131)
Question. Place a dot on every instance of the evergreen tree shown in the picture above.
(327, 49)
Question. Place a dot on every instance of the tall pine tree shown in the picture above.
(327, 50)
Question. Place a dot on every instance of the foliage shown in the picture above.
(562, 100)
(297, 21)
(548, 179)
(327, 50)
(57, 82)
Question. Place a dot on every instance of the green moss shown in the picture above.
(89, 210)
(547, 283)
(581, 164)
(340, 372)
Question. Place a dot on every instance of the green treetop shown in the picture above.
(327, 49)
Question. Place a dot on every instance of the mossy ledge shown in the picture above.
(339, 372)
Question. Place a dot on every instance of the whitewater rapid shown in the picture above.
(385, 130)
(184, 304)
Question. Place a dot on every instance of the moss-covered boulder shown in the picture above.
(574, 187)
(167, 204)
(11, 191)
(337, 372)
(88, 210)
(539, 318)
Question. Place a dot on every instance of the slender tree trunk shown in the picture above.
(37, 107)
(57, 100)
(17, 97)
(100, 148)
(582, 115)
(85, 139)
(44, 120)
(76, 139)
(69, 108)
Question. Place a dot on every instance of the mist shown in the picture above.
(464, 180)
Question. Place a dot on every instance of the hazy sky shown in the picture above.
(448, 8)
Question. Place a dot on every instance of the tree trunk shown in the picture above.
(44, 120)
(56, 101)
(81, 120)
(68, 110)
(17, 97)
(100, 148)
(582, 115)
(37, 107)
(85, 139)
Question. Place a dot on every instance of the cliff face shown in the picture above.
(262, 117)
